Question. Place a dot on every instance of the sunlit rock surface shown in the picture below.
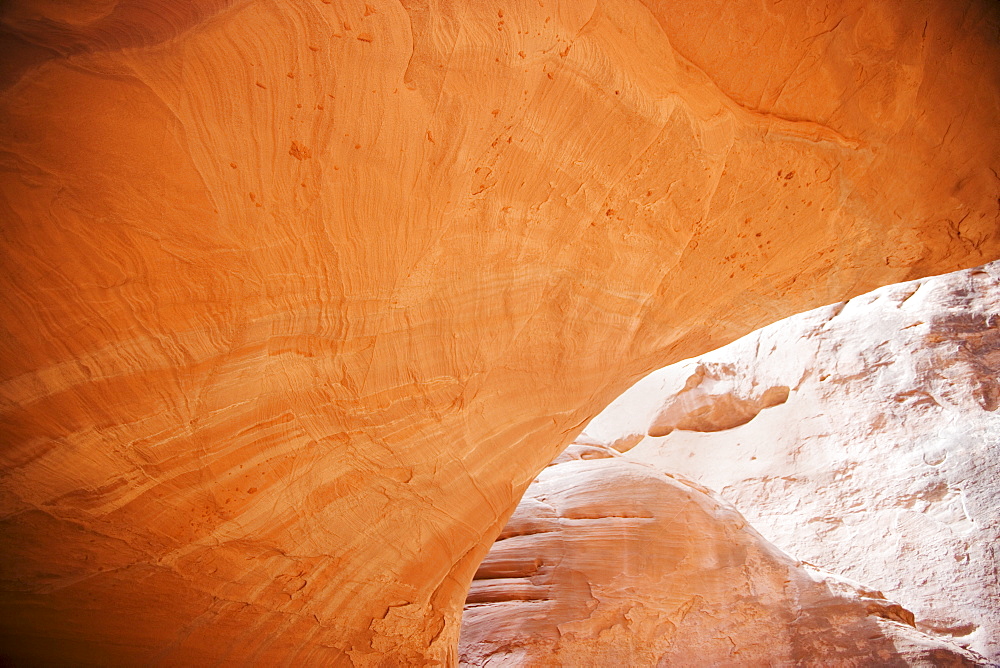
(611, 562)
(882, 465)
(298, 297)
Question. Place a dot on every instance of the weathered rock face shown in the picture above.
(611, 562)
(883, 462)
(298, 297)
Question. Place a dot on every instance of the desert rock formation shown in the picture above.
(881, 464)
(611, 562)
(298, 297)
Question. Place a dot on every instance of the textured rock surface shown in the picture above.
(298, 297)
(610, 562)
(884, 462)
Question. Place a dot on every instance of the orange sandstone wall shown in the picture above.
(292, 292)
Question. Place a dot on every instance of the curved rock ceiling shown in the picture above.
(299, 297)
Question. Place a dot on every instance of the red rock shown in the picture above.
(390, 353)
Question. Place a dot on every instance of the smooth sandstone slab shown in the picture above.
(882, 463)
(298, 297)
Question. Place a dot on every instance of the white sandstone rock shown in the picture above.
(611, 562)
(882, 461)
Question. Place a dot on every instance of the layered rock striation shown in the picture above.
(298, 297)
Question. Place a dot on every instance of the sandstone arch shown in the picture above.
(268, 403)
